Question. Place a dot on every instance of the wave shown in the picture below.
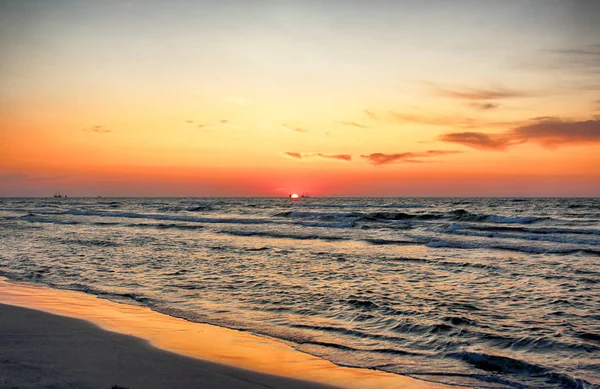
(522, 235)
(164, 226)
(194, 224)
(455, 215)
(532, 230)
(507, 247)
(154, 216)
(463, 215)
(505, 365)
(282, 235)
(359, 206)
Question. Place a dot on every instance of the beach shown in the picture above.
(41, 350)
(66, 339)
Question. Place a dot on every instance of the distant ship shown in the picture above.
(57, 195)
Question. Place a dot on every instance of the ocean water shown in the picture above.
(492, 293)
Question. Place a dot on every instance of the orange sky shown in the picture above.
(127, 98)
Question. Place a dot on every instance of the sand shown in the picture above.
(41, 350)
(51, 338)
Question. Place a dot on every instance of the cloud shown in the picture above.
(370, 114)
(484, 106)
(341, 157)
(480, 94)
(552, 132)
(448, 121)
(585, 58)
(201, 125)
(304, 156)
(445, 121)
(294, 129)
(548, 132)
(97, 129)
(479, 140)
(379, 159)
(293, 154)
(354, 124)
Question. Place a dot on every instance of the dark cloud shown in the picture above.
(478, 140)
(354, 124)
(553, 132)
(189, 122)
(224, 121)
(370, 114)
(548, 132)
(480, 94)
(303, 156)
(484, 106)
(406, 157)
(201, 125)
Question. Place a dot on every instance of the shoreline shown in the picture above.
(40, 349)
(264, 357)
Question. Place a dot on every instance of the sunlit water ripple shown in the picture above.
(492, 293)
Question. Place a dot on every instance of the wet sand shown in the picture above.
(113, 345)
(41, 350)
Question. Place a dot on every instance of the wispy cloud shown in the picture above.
(97, 129)
(370, 114)
(311, 155)
(294, 128)
(477, 94)
(447, 121)
(354, 124)
(548, 132)
(379, 159)
(584, 58)
(484, 106)
(202, 125)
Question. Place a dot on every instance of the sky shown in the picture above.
(332, 98)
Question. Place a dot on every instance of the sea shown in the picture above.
(483, 292)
